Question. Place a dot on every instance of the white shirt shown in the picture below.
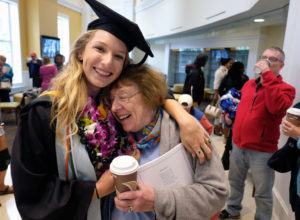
(220, 73)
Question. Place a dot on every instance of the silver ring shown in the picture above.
(198, 151)
(130, 209)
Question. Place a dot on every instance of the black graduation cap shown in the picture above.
(116, 24)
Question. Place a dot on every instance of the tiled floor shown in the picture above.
(8, 210)
(248, 202)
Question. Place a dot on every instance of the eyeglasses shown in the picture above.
(270, 59)
(121, 99)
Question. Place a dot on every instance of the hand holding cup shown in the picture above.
(124, 170)
(262, 66)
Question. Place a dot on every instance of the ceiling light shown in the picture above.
(259, 20)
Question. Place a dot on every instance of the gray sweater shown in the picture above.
(205, 197)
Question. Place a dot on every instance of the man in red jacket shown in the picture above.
(255, 134)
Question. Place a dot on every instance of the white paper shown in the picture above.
(170, 169)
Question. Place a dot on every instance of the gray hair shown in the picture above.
(275, 48)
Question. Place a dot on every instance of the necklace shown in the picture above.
(102, 136)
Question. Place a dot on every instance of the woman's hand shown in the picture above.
(290, 130)
(141, 200)
(105, 184)
(195, 139)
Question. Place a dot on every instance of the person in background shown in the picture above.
(47, 72)
(34, 70)
(255, 134)
(234, 79)
(188, 68)
(71, 126)
(221, 72)
(194, 81)
(187, 102)
(136, 99)
(4, 162)
(287, 159)
(6, 71)
(59, 60)
(6, 75)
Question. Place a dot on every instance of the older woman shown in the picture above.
(136, 100)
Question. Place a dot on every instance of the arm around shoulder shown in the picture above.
(188, 129)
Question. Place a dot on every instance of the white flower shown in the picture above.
(89, 129)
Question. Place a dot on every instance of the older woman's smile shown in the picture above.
(129, 108)
(124, 117)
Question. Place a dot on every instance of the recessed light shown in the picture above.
(259, 20)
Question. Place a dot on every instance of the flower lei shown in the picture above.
(102, 136)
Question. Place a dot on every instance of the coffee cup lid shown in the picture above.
(294, 111)
(124, 165)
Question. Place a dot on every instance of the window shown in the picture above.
(180, 57)
(10, 37)
(64, 34)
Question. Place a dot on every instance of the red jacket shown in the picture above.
(260, 112)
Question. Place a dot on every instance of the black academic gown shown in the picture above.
(39, 193)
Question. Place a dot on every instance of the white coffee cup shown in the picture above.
(124, 170)
(293, 116)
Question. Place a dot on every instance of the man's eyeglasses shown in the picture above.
(270, 59)
(121, 99)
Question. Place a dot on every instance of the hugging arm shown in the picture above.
(192, 136)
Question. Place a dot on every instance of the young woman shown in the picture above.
(221, 72)
(60, 171)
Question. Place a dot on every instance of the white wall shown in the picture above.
(183, 15)
(160, 60)
(234, 36)
(291, 74)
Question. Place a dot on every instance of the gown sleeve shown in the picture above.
(39, 193)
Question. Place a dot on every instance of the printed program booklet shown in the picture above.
(170, 169)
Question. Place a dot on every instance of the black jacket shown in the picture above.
(285, 160)
(39, 192)
(195, 79)
(229, 82)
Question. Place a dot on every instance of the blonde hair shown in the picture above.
(152, 84)
(71, 88)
